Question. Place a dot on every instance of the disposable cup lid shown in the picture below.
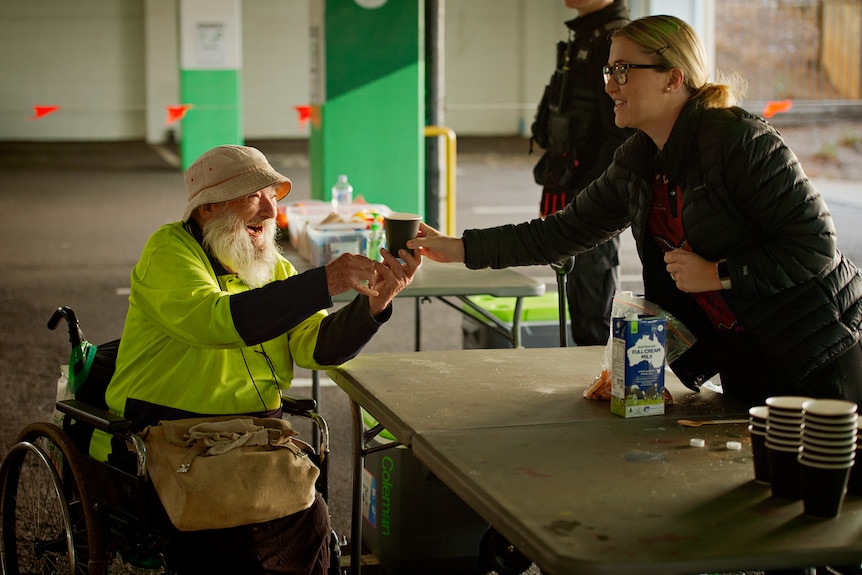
(824, 465)
(844, 420)
(835, 449)
(786, 402)
(848, 428)
(830, 407)
(828, 442)
(829, 459)
(781, 446)
(403, 216)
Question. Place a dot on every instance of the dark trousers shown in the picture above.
(590, 289)
(747, 376)
(298, 544)
(592, 283)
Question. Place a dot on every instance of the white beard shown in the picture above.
(252, 260)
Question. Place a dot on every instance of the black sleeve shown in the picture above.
(267, 312)
(344, 333)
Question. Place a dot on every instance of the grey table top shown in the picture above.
(579, 490)
(617, 496)
(416, 392)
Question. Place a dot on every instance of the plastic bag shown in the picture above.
(64, 391)
(679, 340)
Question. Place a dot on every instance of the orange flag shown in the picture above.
(776, 107)
(42, 111)
(304, 113)
(177, 113)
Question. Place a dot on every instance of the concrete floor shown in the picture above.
(73, 218)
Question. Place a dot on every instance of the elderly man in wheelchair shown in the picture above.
(217, 321)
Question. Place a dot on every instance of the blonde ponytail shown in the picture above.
(677, 45)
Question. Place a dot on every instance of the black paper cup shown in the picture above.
(854, 484)
(760, 456)
(784, 472)
(400, 228)
(823, 488)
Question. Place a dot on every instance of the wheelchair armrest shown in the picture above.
(298, 404)
(98, 418)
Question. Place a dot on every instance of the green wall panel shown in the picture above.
(216, 114)
(376, 42)
(371, 124)
(378, 132)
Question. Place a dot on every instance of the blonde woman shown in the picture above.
(734, 239)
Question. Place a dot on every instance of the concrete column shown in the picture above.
(161, 40)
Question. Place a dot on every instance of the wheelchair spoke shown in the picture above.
(35, 536)
(46, 525)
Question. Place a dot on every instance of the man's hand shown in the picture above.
(436, 245)
(392, 277)
(351, 272)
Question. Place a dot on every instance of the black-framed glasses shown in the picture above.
(620, 71)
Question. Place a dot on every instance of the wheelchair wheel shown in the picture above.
(498, 555)
(47, 521)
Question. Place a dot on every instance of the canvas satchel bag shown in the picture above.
(219, 472)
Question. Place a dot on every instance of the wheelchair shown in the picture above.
(62, 511)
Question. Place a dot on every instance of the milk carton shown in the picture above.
(637, 367)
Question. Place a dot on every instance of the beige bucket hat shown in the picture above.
(229, 172)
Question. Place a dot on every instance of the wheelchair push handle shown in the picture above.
(76, 336)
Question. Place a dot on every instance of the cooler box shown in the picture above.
(302, 214)
(412, 522)
(540, 322)
(328, 241)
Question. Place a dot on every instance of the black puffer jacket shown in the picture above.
(745, 199)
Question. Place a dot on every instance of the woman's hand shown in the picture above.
(437, 246)
(391, 276)
(690, 272)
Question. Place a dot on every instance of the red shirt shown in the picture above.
(665, 227)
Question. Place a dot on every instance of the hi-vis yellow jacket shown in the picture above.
(198, 341)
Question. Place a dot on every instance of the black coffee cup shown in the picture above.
(760, 456)
(784, 473)
(823, 488)
(400, 228)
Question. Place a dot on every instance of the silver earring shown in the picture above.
(667, 89)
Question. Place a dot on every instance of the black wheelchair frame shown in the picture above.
(61, 511)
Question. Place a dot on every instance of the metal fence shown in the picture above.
(801, 50)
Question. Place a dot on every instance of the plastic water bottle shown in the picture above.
(375, 240)
(342, 193)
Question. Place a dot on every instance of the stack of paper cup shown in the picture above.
(783, 443)
(827, 454)
(854, 484)
(757, 418)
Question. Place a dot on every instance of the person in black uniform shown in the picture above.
(575, 126)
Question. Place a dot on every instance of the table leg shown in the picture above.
(513, 333)
(315, 395)
(418, 324)
(356, 504)
(516, 323)
(361, 447)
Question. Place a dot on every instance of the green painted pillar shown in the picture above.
(210, 75)
(368, 100)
